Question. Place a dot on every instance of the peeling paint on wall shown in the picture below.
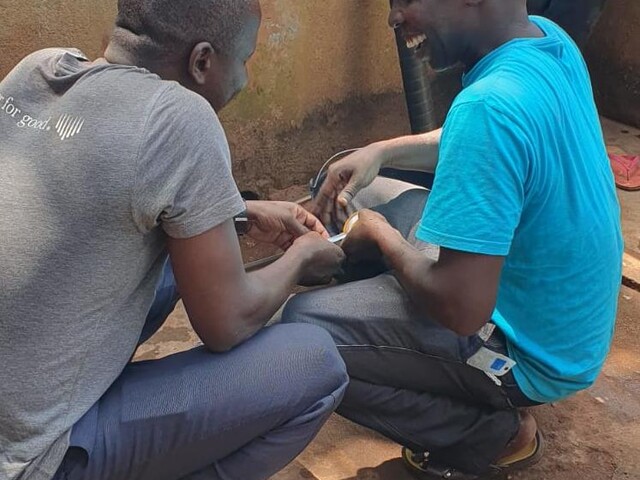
(311, 53)
(329, 65)
(281, 34)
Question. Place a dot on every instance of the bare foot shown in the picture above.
(525, 436)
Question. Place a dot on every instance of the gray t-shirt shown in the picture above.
(98, 164)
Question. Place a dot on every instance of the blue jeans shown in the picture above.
(243, 414)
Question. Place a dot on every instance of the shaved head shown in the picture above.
(202, 44)
(160, 27)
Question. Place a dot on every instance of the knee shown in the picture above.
(299, 309)
(315, 359)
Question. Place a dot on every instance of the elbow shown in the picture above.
(217, 346)
(219, 343)
(458, 316)
(463, 326)
(464, 329)
(218, 336)
(226, 330)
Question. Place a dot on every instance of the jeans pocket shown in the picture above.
(469, 346)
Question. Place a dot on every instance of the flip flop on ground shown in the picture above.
(626, 170)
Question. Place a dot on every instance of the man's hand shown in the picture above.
(362, 242)
(323, 259)
(280, 223)
(345, 179)
(348, 176)
(226, 305)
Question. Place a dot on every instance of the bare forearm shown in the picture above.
(225, 305)
(271, 286)
(413, 271)
(432, 287)
(265, 292)
(412, 152)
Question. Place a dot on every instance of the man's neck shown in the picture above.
(498, 34)
(118, 55)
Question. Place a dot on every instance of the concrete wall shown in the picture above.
(29, 25)
(325, 77)
(614, 59)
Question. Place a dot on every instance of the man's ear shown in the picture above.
(200, 62)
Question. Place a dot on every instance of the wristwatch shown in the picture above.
(242, 223)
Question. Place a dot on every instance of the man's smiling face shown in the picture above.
(434, 29)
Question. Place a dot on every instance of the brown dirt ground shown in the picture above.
(592, 436)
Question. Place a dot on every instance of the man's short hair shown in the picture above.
(178, 25)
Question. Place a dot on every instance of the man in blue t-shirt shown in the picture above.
(518, 308)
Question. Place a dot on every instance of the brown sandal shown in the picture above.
(528, 456)
(422, 468)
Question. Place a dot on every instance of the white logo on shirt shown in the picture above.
(67, 126)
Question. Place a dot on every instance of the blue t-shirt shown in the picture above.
(523, 173)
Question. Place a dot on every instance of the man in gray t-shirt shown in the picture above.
(107, 166)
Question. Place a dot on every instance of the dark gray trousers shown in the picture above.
(409, 379)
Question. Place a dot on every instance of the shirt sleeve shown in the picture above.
(184, 181)
(478, 194)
